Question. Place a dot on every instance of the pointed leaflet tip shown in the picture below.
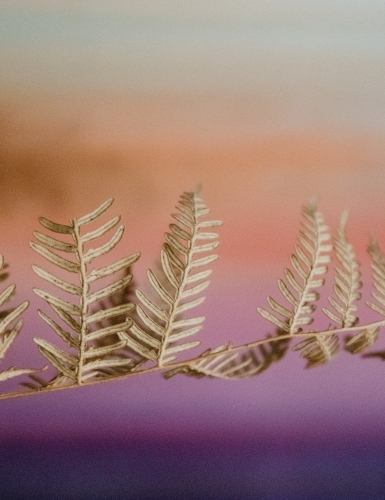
(96, 213)
(344, 219)
(312, 204)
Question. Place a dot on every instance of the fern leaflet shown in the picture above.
(308, 264)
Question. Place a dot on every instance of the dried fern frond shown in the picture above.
(182, 280)
(36, 383)
(85, 360)
(309, 263)
(10, 325)
(347, 281)
(318, 349)
(233, 366)
(378, 267)
(105, 336)
(358, 343)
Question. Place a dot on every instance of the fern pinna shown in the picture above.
(223, 363)
(161, 336)
(347, 283)
(86, 359)
(10, 325)
(301, 287)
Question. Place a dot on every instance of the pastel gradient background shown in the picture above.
(265, 104)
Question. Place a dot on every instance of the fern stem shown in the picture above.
(83, 300)
(179, 364)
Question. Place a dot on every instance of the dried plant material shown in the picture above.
(378, 267)
(164, 329)
(10, 326)
(362, 340)
(85, 359)
(308, 263)
(318, 349)
(114, 310)
(233, 366)
(347, 281)
(36, 383)
(15, 372)
(105, 336)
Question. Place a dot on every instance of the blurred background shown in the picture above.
(266, 104)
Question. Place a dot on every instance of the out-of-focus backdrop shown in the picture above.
(266, 104)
